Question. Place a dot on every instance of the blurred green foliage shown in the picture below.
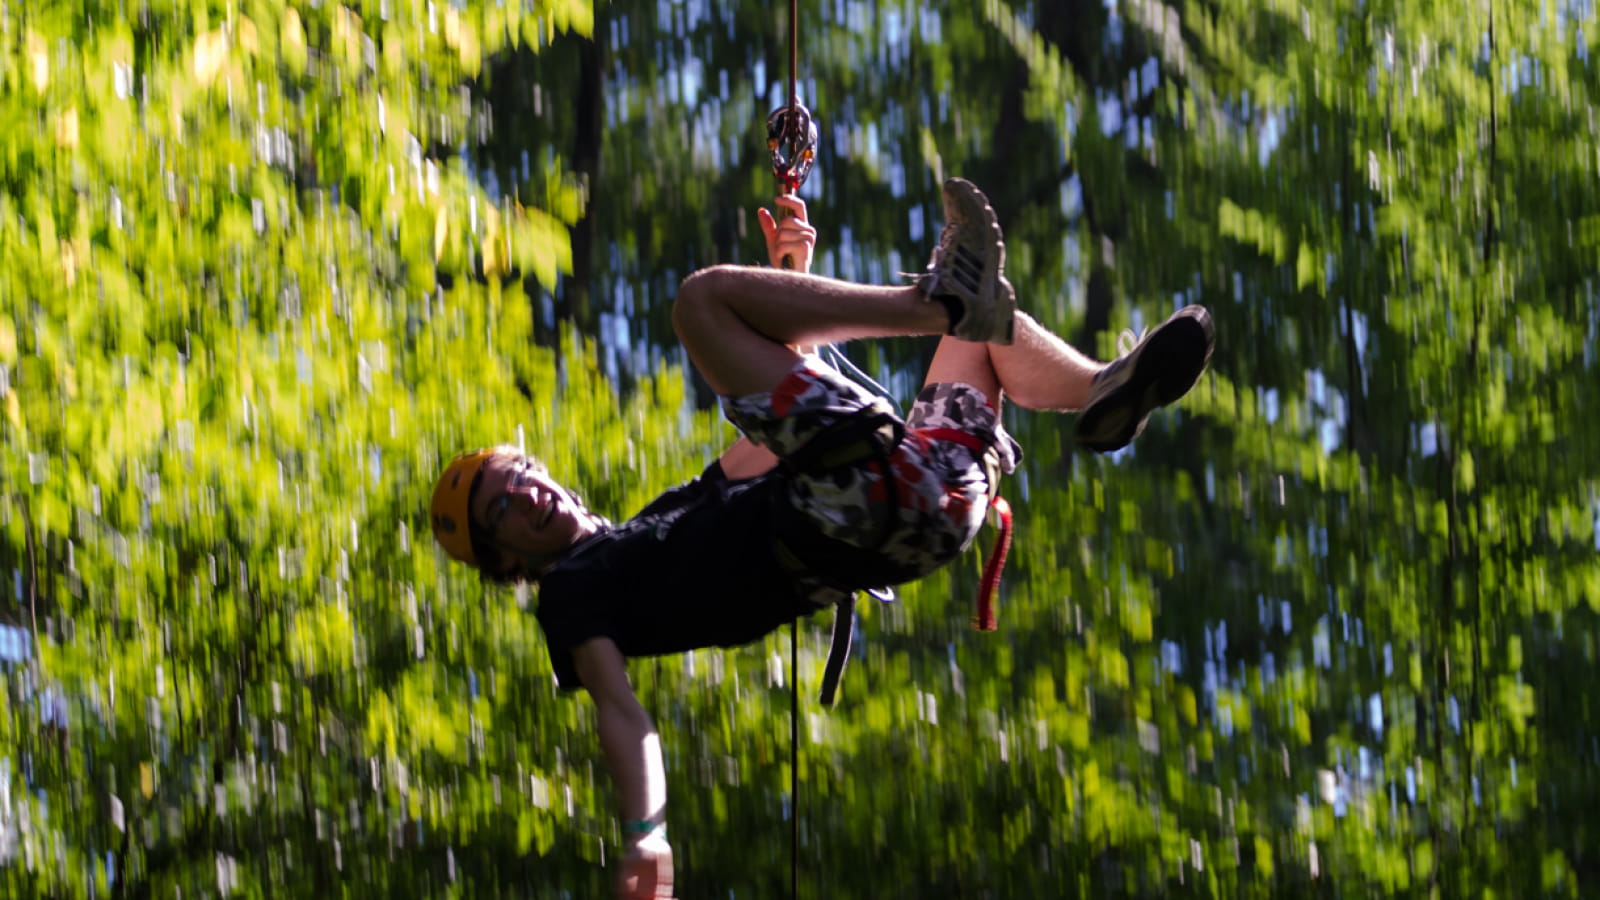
(1326, 630)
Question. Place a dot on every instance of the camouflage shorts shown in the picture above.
(940, 487)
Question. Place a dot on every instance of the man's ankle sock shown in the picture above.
(953, 308)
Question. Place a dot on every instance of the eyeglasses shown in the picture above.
(497, 512)
(521, 476)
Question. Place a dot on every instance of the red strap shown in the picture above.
(984, 619)
(955, 436)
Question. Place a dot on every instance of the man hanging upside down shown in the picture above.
(828, 492)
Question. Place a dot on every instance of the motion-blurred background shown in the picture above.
(1327, 629)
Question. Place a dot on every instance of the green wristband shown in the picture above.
(644, 826)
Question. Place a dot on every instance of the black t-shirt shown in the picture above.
(695, 568)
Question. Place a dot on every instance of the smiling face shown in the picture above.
(526, 520)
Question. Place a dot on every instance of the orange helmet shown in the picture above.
(450, 513)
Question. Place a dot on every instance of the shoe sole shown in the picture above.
(1169, 365)
(974, 207)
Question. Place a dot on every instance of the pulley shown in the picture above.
(792, 140)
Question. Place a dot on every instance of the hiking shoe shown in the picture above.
(1156, 371)
(965, 273)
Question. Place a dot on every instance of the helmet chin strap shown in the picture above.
(594, 523)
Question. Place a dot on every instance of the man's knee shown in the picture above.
(699, 294)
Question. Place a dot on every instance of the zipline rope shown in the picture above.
(794, 51)
(794, 763)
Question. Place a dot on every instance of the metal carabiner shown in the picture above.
(792, 139)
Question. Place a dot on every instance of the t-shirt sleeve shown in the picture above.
(569, 619)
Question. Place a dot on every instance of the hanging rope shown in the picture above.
(794, 764)
(794, 51)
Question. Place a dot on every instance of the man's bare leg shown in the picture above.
(1042, 371)
(740, 323)
(1038, 370)
(968, 363)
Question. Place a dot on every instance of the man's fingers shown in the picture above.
(796, 230)
(793, 204)
(769, 225)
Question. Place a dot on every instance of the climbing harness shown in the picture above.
(871, 440)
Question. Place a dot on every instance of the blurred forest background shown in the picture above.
(1328, 629)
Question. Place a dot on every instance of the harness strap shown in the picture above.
(839, 648)
(983, 618)
(856, 440)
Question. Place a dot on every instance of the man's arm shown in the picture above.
(632, 749)
(627, 736)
